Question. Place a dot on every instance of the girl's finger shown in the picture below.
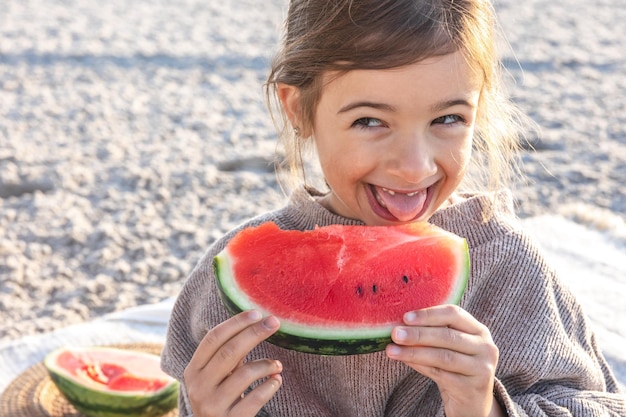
(445, 316)
(234, 350)
(243, 376)
(434, 359)
(219, 335)
(439, 337)
(253, 401)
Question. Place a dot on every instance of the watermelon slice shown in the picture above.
(110, 382)
(339, 290)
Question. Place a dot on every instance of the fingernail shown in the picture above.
(271, 323)
(255, 315)
(410, 316)
(393, 350)
(400, 334)
(277, 381)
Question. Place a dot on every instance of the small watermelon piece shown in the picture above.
(339, 290)
(111, 382)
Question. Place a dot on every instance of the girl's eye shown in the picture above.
(367, 122)
(448, 119)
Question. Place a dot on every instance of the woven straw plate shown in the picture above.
(33, 394)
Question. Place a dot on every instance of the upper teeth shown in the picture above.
(394, 193)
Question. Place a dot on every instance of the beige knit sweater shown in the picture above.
(549, 364)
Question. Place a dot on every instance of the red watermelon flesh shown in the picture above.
(93, 368)
(342, 277)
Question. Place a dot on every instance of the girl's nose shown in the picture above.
(412, 159)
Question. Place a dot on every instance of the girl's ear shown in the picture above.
(289, 97)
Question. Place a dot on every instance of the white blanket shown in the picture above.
(146, 323)
(593, 265)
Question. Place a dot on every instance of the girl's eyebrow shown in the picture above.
(388, 107)
(451, 103)
(370, 104)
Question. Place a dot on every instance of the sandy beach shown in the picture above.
(133, 134)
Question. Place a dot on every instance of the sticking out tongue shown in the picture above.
(403, 207)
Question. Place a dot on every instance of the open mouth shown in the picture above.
(397, 205)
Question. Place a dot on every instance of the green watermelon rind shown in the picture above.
(464, 271)
(98, 403)
(324, 340)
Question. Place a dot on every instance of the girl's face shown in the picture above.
(394, 144)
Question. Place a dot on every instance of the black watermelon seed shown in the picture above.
(374, 288)
(359, 291)
(405, 279)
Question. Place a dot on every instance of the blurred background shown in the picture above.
(133, 134)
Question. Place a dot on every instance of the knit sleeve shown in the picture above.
(197, 309)
(550, 364)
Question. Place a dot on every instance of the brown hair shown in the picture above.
(342, 35)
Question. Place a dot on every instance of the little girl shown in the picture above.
(398, 98)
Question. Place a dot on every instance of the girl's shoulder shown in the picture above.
(497, 240)
(492, 230)
(480, 217)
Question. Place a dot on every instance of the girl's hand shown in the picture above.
(448, 345)
(216, 377)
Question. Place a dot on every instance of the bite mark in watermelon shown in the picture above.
(110, 382)
(340, 290)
